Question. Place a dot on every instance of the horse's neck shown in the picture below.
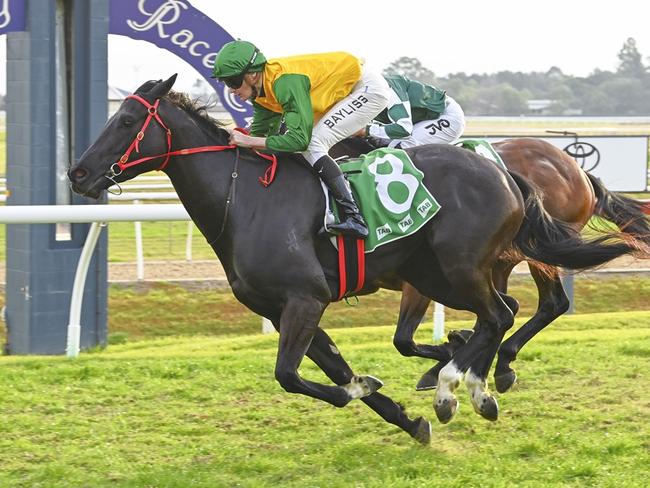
(202, 180)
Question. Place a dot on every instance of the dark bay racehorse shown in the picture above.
(281, 268)
(570, 195)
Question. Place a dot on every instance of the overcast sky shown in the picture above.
(474, 36)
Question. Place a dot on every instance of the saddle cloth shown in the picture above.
(482, 147)
(389, 192)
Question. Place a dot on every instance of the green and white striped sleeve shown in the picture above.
(401, 122)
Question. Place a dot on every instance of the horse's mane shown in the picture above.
(199, 112)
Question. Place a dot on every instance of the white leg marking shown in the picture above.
(357, 387)
(448, 380)
(477, 389)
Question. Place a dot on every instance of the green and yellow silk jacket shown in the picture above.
(301, 89)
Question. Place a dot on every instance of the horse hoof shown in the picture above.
(461, 336)
(446, 409)
(429, 381)
(422, 432)
(362, 386)
(372, 384)
(489, 409)
(503, 382)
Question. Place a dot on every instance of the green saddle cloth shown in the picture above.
(483, 148)
(389, 191)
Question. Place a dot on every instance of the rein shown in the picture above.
(123, 163)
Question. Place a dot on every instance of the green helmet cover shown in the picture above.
(235, 57)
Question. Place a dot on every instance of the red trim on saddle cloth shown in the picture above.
(361, 260)
(351, 262)
(342, 273)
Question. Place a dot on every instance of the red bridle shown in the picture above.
(152, 110)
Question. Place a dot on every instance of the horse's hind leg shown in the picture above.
(412, 308)
(494, 318)
(553, 302)
(325, 354)
(476, 377)
(298, 325)
(456, 339)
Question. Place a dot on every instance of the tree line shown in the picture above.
(622, 92)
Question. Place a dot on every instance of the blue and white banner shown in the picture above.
(176, 26)
(12, 16)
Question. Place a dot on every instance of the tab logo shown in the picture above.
(383, 231)
(405, 223)
(424, 207)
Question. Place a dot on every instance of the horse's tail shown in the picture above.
(628, 214)
(553, 242)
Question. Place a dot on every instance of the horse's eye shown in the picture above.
(127, 121)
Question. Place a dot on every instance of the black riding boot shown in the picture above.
(352, 223)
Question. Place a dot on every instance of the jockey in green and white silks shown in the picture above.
(322, 99)
(417, 114)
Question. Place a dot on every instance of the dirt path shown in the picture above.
(211, 270)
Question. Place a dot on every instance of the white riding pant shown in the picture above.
(368, 98)
(444, 130)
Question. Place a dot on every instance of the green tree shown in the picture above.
(411, 68)
(630, 61)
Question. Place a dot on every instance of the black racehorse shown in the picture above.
(570, 195)
(278, 265)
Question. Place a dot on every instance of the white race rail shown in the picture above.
(98, 215)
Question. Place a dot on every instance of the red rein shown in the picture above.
(152, 110)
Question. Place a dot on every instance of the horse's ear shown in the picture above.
(162, 88)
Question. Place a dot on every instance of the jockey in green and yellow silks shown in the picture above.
(321, 98)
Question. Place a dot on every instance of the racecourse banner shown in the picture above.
(12, 16)
(176, 26)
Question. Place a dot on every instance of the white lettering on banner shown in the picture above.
(395, 176)
(182, 38)
(193, 47)
(166, 15)
(5, 15)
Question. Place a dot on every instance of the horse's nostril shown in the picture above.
(78, 174)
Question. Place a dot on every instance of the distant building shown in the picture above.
(549, 107)
(539, 107)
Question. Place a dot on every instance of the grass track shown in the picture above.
(206, 412)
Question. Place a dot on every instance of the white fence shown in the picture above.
(99, 215)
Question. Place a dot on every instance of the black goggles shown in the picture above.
(236, 81)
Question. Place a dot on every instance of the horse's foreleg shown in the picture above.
(553, 302)
(298, 325)
(326, 355)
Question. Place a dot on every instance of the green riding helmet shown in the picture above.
(234, 60)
